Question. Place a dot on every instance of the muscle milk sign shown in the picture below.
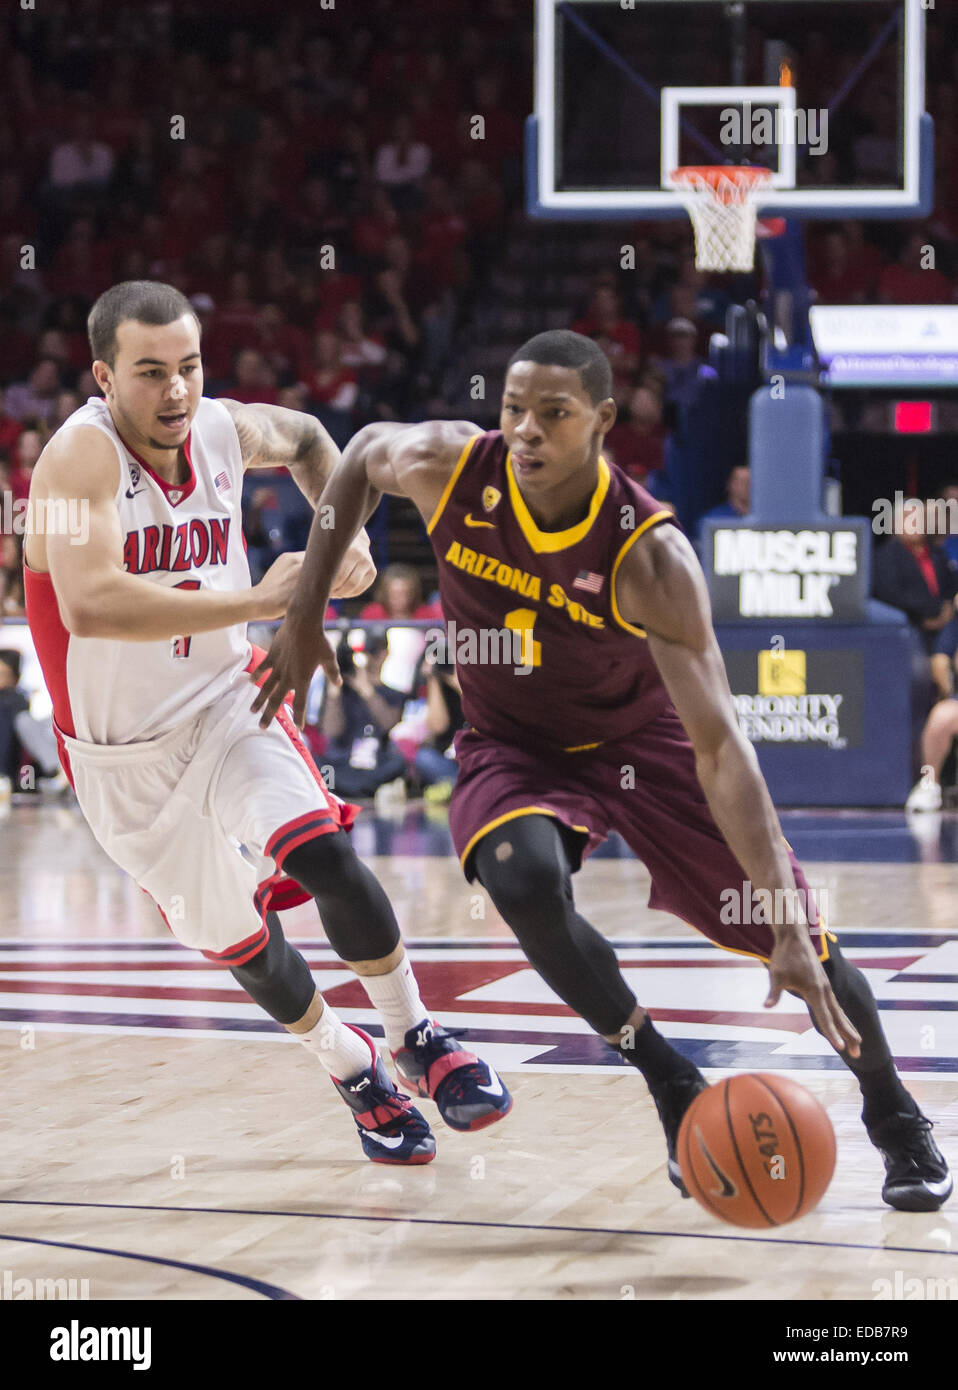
(780, 572)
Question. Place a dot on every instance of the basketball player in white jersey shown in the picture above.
(141, 633)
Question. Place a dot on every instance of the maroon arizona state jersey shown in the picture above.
(542, 653)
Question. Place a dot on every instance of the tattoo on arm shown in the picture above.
(271, 436)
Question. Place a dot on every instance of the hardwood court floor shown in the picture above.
(162, 1139)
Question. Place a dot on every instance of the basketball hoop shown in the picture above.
(721, 201)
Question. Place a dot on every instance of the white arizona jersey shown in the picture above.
(190, 537)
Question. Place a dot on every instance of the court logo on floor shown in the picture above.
(708, 1002)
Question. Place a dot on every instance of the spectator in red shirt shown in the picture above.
(835, 276)
(329, 382)
(503, 129)
(210, 267)
(10, 429)
(399, 595)
(17, 344)
(118, 117)
(636, 442)
(359, 350)
(618, 337)
(442, 232)
(912, 280)
(482, 197)
(255, 380)
(282, 345)
(376, 223)
(28, 449)
(11, 577)
(864, 254)
(69, 318)
(84, 263)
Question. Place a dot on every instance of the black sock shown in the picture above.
(883, 1095)
(882, 1091)
(656, 1058)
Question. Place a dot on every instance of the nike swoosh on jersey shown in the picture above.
(471, 521)
(727, 1189)
(131, 492)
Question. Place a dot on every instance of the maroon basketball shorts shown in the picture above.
(645, 788)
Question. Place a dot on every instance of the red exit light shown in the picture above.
(912, 417)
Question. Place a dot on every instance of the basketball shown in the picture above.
(757, 1150)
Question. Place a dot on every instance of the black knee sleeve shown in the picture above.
(277, 978)
(524, 867)
(357, 916)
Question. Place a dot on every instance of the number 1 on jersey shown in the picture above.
(180, 646)
(523, 620)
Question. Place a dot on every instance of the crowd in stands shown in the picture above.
(315, 184)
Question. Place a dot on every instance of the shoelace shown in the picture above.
(913, 1137)
(458, 1084)
(378, 1096)
(405, 1121)
(915, 1140)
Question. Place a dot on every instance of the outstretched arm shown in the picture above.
(412, 461)
(660, 587)
(271, 436)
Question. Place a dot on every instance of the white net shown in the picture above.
(722, 206)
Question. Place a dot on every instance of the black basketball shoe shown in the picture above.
(916, 1174)
(672, 1099)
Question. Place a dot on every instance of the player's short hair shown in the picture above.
(562, 348)
(144, 301)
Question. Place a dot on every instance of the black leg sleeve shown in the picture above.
(277, 978)
(357, 916)
(524, 868)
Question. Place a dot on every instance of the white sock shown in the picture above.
(342, 1052)
(396, 999)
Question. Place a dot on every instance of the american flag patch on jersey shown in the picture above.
(222, 482)
(585, 579)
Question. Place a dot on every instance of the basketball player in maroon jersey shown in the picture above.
(619, 717)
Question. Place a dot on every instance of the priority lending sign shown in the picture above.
(761, 572)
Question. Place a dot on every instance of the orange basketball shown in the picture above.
(756, 1150)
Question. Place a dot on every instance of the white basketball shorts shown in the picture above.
(203, 817)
